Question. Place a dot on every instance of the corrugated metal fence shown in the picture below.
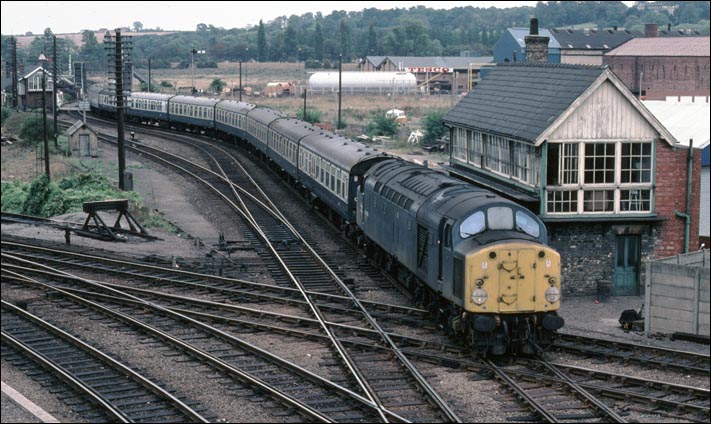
(677, 294)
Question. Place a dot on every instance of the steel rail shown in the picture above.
(419, 378)
(102, 357)
(199, 353)
(167, 311)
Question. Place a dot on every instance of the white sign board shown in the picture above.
(84, 106)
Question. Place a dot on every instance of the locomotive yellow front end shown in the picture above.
(512, 293)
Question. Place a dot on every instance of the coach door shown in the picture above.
(626, 265)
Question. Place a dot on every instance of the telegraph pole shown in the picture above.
(54, 89)
(119, 57)
(340, 69)
(43, 60)
(119, 110)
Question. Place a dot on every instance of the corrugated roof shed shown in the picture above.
(433, 61)
(521, 100)
(666, 46)
(683, 118)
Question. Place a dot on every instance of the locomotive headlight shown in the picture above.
(479, 296)
(552, 294)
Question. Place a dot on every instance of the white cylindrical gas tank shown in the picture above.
(363, 81)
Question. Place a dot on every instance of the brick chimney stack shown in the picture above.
(651, 30)
(536, 45)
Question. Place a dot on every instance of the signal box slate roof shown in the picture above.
(521, 100)
(664, 46)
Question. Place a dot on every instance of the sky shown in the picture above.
(19, 17)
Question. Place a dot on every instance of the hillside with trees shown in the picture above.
(415, 31)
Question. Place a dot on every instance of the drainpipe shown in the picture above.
(687, 215)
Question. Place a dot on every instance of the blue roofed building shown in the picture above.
(511, 47)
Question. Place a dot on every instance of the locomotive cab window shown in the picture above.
(473, 225)
(527, 224)
(500, 218)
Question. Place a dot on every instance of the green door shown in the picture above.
(626, 266)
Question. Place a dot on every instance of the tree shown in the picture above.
(434, 130)
(381, 125)
(32, 131)
(91, 50)
(261, 43)
(137, 26)
(290, 46)
(217, 85)
(345, 31)
(318, 42)
(372, 41)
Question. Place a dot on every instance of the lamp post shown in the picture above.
(298, 66)
(43, 59)
(193, 52)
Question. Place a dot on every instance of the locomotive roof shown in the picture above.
(339, 150)
(233, 106)
(196, 101)
(150, 96)
(437, 194)
(264, 115)
(294, 129)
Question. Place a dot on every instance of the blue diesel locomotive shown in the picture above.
(478, 262)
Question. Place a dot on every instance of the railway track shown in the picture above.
(524, 376)
(365, 339)
(115, 391)
(655, 357)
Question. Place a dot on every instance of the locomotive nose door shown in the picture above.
(516, 278)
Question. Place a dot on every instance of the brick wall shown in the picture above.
(587, 252)
(669, 75)
(670, 196)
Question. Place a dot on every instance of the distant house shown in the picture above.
(575, 146)
(663, 66)
(586, 46)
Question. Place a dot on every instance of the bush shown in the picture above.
(207, 64)
(32, 130)
(82, 188)
(434, 129)
(313, 116)
(14, 194)
(13, 124)
(166, 84)
(6, 112)
(312, 64)
(43, 198)
(381, 125)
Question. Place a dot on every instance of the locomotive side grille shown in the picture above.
(422, 236)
